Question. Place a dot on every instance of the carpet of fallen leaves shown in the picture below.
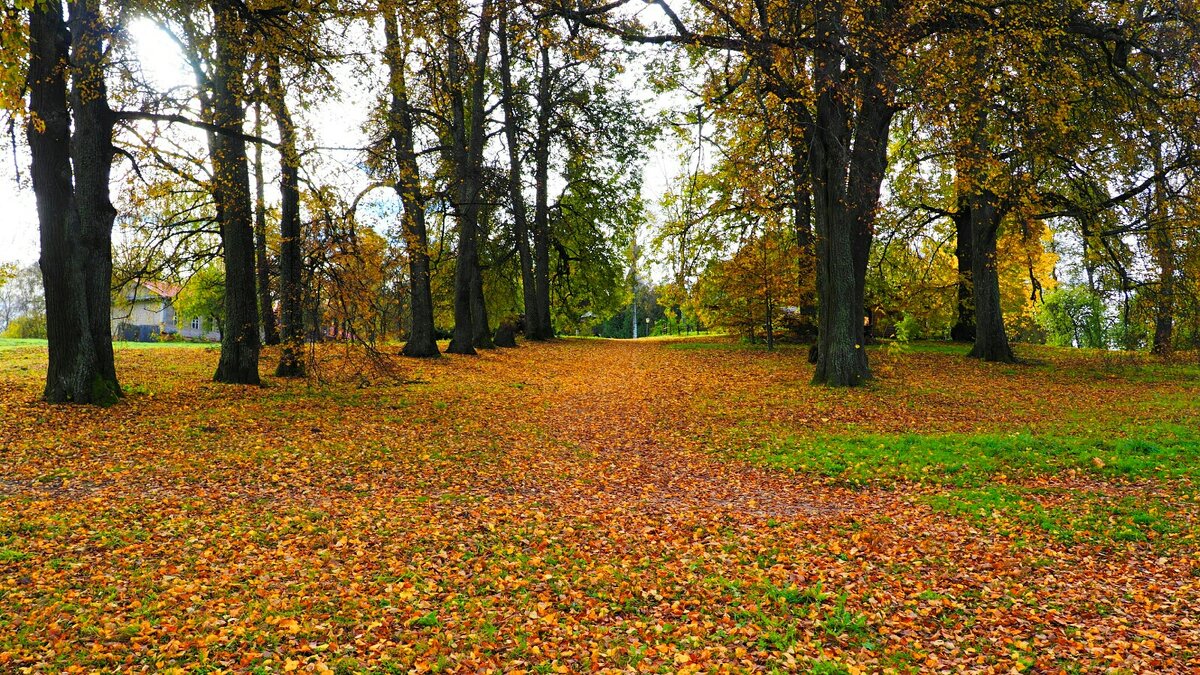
(562, 507)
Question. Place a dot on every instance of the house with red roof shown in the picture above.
(146, 312)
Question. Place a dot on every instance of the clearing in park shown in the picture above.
(582, 505)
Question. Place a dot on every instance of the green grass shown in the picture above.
(1081, 517)
(825, 667)
(965, 460)
(18, 343)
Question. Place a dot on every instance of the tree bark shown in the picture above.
(964, 324)
(92, 153)
(422, 341)
(991, 340)
(291, 356)
(266, 304)
(231, 187)
(845, 196)
(482, 338)
(868, 165)
(75, 219)
(467, 158)
(515, 184)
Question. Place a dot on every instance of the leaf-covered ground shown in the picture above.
(586, 505)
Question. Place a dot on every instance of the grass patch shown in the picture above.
(1163, 451)
(19, 343)
(1071, 516)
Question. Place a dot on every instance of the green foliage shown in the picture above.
(1073, 316)
(30, 326)
(908, 329)
(597, 218)
(826, 667)
(203, 297)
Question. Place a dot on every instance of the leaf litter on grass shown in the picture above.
(609, 514)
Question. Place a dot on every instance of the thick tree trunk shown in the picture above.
(844, 217)
(231, 186)
(92, 152)
(964, 324)
(991, 340)
(482, 339)
(75, 220)
(515, 186)
(422, 342)
(868, 165)
(467, 154)
(291, 356)
(266, 304)
(72, 357)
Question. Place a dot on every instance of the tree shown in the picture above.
(464, 136)
(22, 304)
(262, 267)
(203, 297)
(516, 184)
(402, 127)
(751, 292)
(291, 359)
(845, 58)
(70, 142)
(231, 191)
(1074, 317)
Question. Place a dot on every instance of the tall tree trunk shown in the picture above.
(291, 356)
(868, 164)
(231, 187)
(422, 342)
(72, 357)
(1163, 247)
(483, 337)
(92, 152)
(515, 186)
(266, 304)
(544, 328)
(291, 236)
(75, 221)
(467, 152)
(964, 324)
(844, 226)
(991, 340)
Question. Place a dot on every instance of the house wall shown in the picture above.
(150, 316)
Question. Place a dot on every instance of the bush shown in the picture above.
(908, 329)
(30, 326)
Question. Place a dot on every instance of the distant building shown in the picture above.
(148, 312)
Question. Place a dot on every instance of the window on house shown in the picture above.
(196, 323)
